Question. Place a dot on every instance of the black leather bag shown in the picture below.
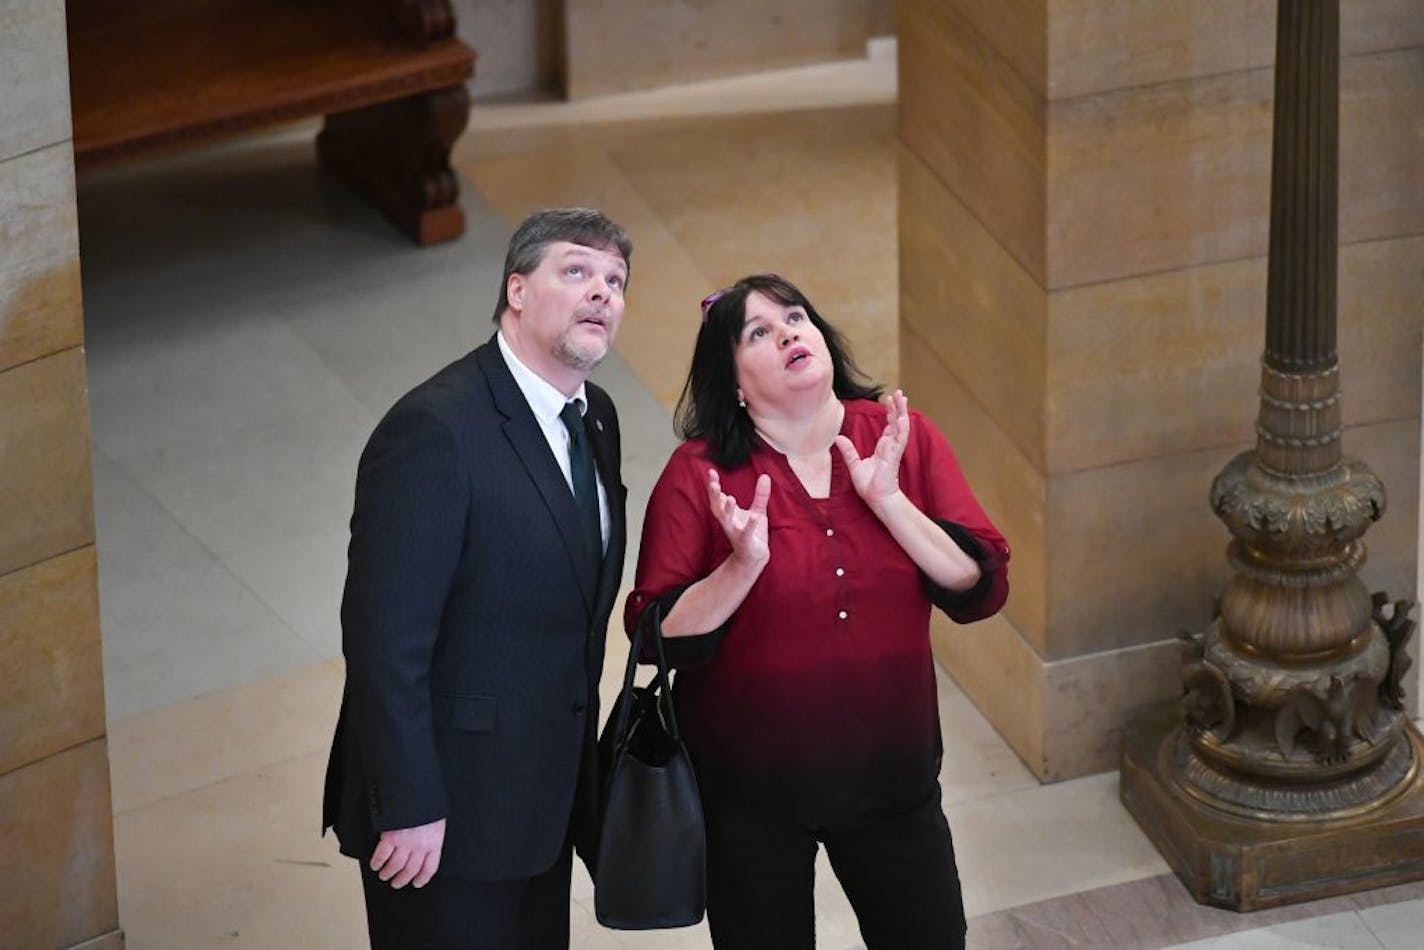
(650, 872)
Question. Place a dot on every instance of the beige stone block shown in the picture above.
(977, 124)
(1135, 553)
(1177, 174)
(1392, 451)
(1001, 674)
(622, 45)
(58, 832)
(1381, 329)
(50, 659)
(46, 490)
(981, 313)
(1158, 177)
(1088, 699)
(1167, 363)
(1100, 45)
(1153, 366)
(1018, 30)
(1011, 490)
(40, 310)
(1382, 143)
(34, 72)
(114, 940)
(1064, 718)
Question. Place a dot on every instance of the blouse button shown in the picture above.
(842, 614)
(830, 532)
(840, 572)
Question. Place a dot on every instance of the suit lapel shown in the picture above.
(523, 432)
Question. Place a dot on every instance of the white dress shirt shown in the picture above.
(547, 402)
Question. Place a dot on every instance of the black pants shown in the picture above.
(453, 914)
(897, 869)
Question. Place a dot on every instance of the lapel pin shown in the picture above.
(598, 424)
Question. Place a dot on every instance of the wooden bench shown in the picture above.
(154, 76)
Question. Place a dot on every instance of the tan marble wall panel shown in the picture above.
(622, 45)
(1018, 30)
(46, 491)
(50, 659)
(1167, 363)
(40, 310)
(1135, 553)
(981, 313)
(1158, 177)
(1178, 174)
(1100, 45)
(1001, 674)
(1154, 365)
(58, 834)
(1392, 451)
(1382, 143)
(977, 124)
(34, 72)
(110, 941)
(1088, 699)
(1009, 487)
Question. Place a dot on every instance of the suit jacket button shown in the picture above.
(578, 709)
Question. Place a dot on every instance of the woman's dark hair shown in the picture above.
(707, 408)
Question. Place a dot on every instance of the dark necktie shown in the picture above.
(585, 483)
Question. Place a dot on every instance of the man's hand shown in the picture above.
(409, 855)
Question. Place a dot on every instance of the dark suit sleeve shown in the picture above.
(407, 531)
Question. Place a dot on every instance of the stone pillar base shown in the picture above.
(1241, 865)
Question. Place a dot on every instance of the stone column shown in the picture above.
(1084, 219)
(55, 811)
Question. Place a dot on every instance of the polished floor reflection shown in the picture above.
(248, 321)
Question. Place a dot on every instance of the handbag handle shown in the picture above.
(664, 684)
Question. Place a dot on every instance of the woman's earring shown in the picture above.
(742, 403)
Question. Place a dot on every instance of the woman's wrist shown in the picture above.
(885, 506)
(746, 564)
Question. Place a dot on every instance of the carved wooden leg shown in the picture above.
(397, 155)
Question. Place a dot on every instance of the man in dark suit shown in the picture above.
(486, 550)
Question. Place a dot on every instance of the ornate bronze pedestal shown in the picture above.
(1291, 771)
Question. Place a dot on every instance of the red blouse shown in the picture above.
(819, 692)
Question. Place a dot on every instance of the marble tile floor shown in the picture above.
(248, 321)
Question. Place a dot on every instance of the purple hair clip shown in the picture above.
(710, 299)
(717, 295)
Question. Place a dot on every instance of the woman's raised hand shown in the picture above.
(745, 527)
(877, 476)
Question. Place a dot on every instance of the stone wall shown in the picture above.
(1084, 197)
(55, 813)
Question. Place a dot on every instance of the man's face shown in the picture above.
(567, 310)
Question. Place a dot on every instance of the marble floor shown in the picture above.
(248, 322)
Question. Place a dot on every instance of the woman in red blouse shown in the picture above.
(792, 550)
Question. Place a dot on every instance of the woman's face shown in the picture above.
(780, 355)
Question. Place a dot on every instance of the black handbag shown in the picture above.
(650, 870)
